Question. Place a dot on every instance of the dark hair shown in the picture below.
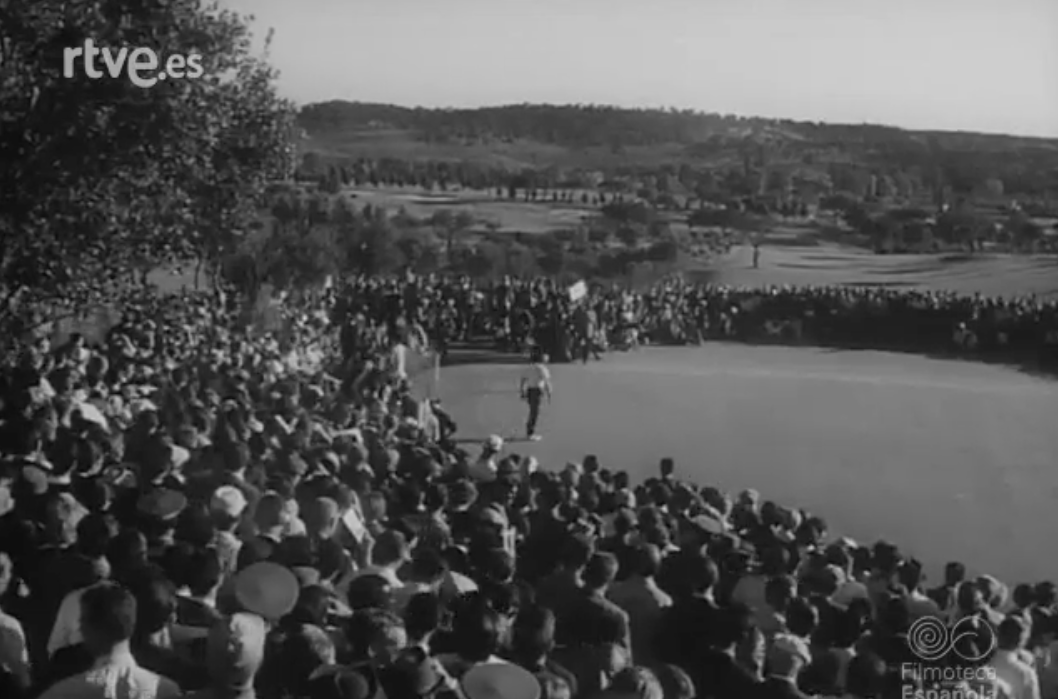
(423, 615)
(954, 573)
(128, 548)
(779, 591)
(647, 560)
(94, 534)
(866, 676)
(1024, 595)
(436, 497)
(600, 571)
(155, 603)
(476, 631)
(575, 552)
(369, 592)
(734, 624)
(533, 633)
(108, 611)
(910, 574)
(822, 676)
(428, 566)
(312, 606)
(204, 572)
(802, 618)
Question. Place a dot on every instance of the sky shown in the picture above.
(980, 65)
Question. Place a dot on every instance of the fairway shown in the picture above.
(950, 460)
(839, 265)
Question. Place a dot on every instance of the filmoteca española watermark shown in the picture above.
(952, 658)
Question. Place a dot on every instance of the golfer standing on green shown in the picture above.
(535, 384)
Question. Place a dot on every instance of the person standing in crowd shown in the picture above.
(108, 622)
(535, 385)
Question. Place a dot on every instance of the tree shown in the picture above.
(101, 180)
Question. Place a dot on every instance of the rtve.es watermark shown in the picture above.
(141, 66)
(963, 673)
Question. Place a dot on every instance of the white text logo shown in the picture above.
(141, 66)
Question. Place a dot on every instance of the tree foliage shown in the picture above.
(100, 178)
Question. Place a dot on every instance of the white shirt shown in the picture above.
(117, 677)
(14, 656)
(400, 360)
(1017, 673)
(67, 628)
(536, 376)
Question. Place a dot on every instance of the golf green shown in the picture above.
(950, 460)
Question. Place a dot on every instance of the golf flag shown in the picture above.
(578, 291)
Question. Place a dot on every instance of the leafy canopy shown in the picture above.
(99, 178)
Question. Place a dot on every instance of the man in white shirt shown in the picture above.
(108, 618)
(1009, 667)
(14, 655)
(534, 386)
(399, 359)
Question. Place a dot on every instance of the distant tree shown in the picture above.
(599, 236)
(628, 236)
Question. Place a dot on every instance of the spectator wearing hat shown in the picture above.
(849, 589)
(108, 621)
(266, 589)
(499, 681)
(226, 509)
(338, 682)
(787, 657)
(415, 675)
(635, 682)
(644, 602)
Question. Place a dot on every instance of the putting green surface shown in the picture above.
(949, 460)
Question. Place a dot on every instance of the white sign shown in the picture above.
(578, 291)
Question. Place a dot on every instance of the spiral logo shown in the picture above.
(971, 638)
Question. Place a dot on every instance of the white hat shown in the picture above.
(499, 681)
(228, 500)
(494, 442)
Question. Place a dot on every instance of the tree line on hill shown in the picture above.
(908, 163)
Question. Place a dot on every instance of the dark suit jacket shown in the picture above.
(718, 676)
(685, 632)
(776, 688)
(590, 619)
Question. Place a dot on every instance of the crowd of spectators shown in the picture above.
(193, 509)
(519, 312)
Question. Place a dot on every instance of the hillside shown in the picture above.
(621, 141)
